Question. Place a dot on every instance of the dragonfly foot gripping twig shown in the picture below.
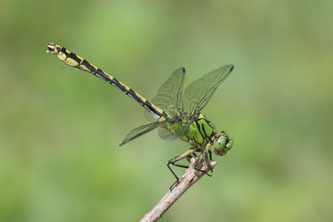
(190, 177)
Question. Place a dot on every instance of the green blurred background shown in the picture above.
(60, 128)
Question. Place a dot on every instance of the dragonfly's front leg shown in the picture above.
(206, 155)
(207, 160)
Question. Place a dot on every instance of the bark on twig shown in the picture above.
(190, 177)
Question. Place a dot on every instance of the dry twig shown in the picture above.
(190, 177)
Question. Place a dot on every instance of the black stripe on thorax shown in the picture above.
(199, 129)
(203, 127)
(207, 121)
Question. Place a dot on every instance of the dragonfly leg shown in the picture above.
(203, 155)
(210, 155)
(176, 159)
(207, 161)
(191, 156)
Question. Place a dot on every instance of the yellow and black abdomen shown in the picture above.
(76, 61)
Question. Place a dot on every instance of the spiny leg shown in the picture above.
(207, 161)
(176, 159)
(188, 158)
(210, 155)
(203, 155)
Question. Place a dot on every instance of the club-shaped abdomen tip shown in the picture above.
(50, 48)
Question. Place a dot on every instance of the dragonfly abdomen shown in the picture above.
(76, 61)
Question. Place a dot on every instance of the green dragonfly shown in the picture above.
(175, 111)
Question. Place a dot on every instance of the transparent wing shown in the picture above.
(167, 134)
(197, 95)
(173, 134)
(170, 95)
(179, 127)
(141, 130)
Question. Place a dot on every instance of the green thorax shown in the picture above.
(192, 128)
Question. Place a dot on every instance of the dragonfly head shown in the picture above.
(222, 144)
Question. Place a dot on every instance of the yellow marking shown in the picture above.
(108, 75)
(55, 48)
(71, 62)
(84, 68)
(126, 87)
(79, 57)
(161, 119)
(61, 56)
(157, 109)
(51, 48)
(143, 99)
(93, 66)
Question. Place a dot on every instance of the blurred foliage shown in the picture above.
(60, 128)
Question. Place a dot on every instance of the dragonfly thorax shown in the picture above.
(196, 129)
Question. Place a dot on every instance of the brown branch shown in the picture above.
(190, 177)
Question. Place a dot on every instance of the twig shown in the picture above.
(190, 177)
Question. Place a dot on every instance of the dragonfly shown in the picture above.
(175, 111)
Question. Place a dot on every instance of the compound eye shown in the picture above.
(220, 144)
